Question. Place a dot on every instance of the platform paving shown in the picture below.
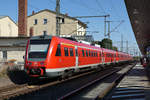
(134, 86)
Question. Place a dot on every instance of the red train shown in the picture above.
(51, 56)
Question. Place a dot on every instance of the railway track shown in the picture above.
(10, 91)
(14, 91)
(81, 92)
(57, 89)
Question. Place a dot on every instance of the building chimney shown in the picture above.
(22, 18)
(33, 12)
(66, 14)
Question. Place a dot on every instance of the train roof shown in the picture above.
(108, 50)
(74, 43)
(77, 43)
(41, 37)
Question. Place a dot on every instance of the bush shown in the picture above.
(3, 71)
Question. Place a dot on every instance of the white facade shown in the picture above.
(8, 27)
(80, 30)
(45, 22)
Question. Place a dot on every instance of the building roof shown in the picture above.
(138, 11)
(2, 17)
(63, 15)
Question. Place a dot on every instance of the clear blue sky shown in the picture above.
(116, 9)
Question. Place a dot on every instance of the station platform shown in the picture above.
(134, 86)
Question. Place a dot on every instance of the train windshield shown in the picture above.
(38, 48)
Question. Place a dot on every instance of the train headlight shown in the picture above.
(29, 63)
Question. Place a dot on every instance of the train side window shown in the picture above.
(71, 51)
(58, 51)
(86, 53)
(66, 51)
(76, 52)
(83, 53)
(89, 53)
(99, 54)
(96, 54)
(93, 53)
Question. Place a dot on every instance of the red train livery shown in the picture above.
(51, 56)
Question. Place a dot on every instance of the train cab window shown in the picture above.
(66, 51)
(58, 51)
(71, 51)
(86, 53)
(38, 49)
(83, 53)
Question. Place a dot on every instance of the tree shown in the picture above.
(106, 43)
(115, 48)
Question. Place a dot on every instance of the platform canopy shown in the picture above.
(139, 14)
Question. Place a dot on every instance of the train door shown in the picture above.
(100, 57)
(114, 55)
(76, 54)
(103, 57)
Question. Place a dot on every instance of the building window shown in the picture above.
(35, 22)
(44, 32)
(4, 54)
(45, 21)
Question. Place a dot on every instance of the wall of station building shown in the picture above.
(9, 55)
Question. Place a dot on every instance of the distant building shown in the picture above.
(44, 21)
(8, 28)
(88, 38)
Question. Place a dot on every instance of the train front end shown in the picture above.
(36, 54)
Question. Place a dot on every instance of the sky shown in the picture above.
(115, 8)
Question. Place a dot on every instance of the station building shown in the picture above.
(12, 45)
(44, 21)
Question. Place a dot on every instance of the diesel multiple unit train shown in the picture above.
(51, 56)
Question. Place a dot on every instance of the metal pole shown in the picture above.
(109, 29)
(121, 42)
(105, 26)
(57, 17)
(127, 46)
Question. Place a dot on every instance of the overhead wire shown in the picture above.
(32, 6)
(100, 6)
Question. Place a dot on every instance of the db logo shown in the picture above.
(35, 63)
